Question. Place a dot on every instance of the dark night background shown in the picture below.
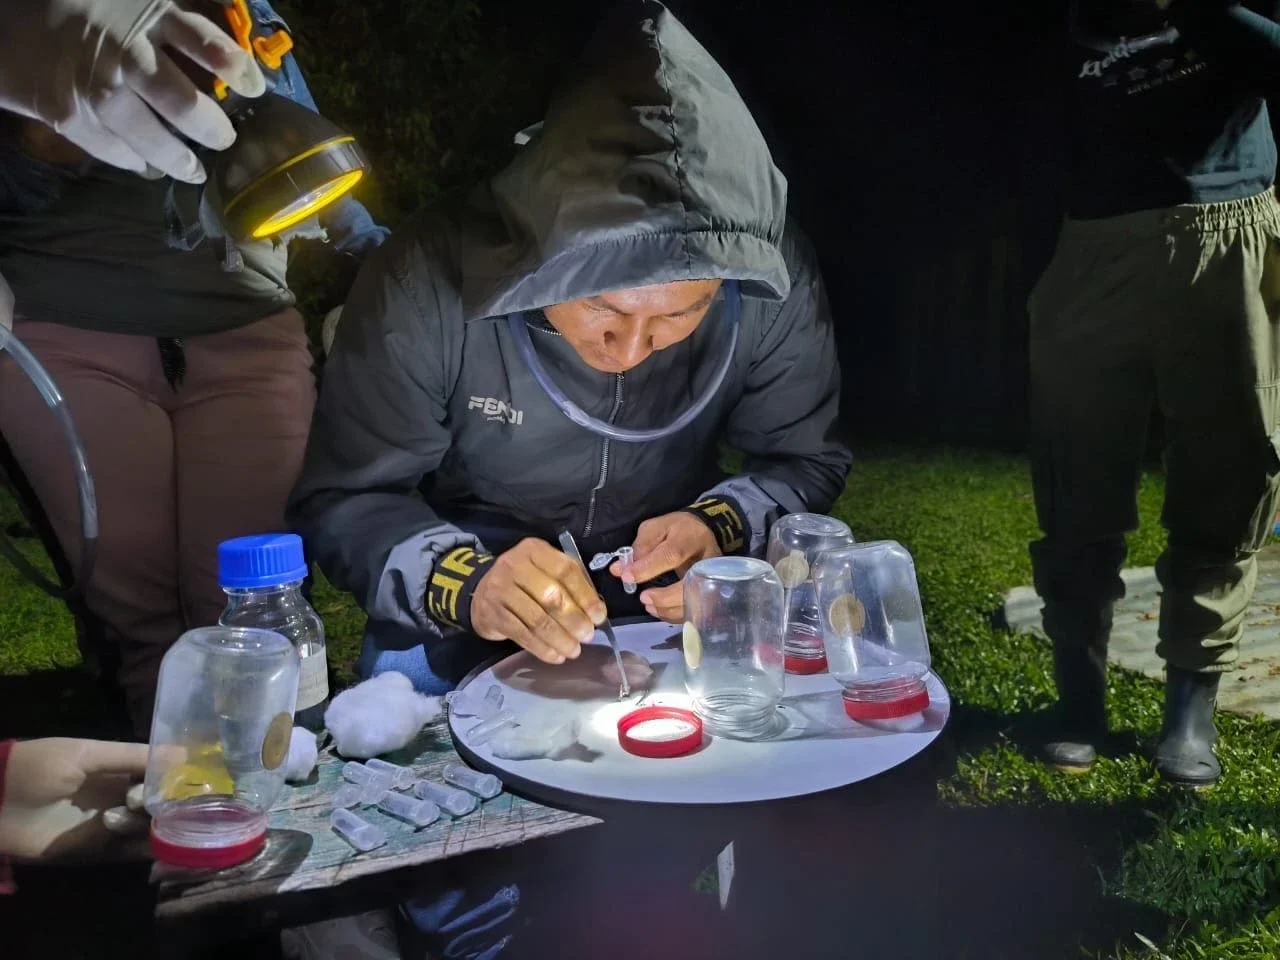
(920, 141)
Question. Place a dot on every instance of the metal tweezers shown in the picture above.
(568, 545)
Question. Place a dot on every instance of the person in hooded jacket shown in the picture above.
(618, 247)
(637, 222)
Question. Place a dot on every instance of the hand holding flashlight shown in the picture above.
(99, 73)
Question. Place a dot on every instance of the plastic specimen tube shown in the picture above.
(493, 699)
(626, 557)
(455, 802)
(346, 796)
(402, 778)
(484, 785)
(374, 789)
(485, 730)
(420, 813)
(353, 772)
(361, 834)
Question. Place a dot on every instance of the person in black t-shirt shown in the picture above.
(1164, 291)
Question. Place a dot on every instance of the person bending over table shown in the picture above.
(615, 250)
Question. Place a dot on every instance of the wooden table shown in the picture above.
(307, 872)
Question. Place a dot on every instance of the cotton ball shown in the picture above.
(522, 743)
(303, 754)
(378, 716)
(638, 670)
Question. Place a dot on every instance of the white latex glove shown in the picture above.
(95, 70)
(70, 799)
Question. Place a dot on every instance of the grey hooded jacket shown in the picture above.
(648, 169)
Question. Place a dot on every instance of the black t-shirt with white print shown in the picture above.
(1170, 108)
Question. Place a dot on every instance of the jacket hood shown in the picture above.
(647, 169)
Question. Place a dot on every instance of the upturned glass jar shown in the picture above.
(219, 740)
(873, 627)
(733, 648)
(795, 543)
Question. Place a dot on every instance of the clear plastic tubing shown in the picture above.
(519, 329)
(86, 494)
(346, 796)
(456, 803)
(484, 785)
(485, 730)
(361, 834)
(402, 777)
(420, 813)
(374, 789)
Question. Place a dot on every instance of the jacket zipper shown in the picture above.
(604, 457)
(604, 448)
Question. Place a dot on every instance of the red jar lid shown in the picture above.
(904, 706)
(660, 749)
(207, 858)
(806, 665)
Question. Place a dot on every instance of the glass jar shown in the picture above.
(262, 577)
(795, 542)
(733, 654)
(219, 740)
(873, 626)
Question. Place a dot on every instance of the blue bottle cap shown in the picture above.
(267, 560)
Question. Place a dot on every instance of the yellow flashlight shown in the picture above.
(288, 163)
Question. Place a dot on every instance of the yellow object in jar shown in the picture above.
(203, 774)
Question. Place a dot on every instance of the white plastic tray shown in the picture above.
(819, 748)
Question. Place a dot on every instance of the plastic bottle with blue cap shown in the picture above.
(262, 577)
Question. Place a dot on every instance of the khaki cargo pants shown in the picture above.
(1174, 309)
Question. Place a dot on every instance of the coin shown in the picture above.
(692, 646)
(275, 745)
(847, 614)
(792, 569)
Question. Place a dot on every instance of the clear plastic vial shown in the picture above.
(420, 813)
(874, 629)
(626, 557)
(355, 772)
(219, 740)
(262, 577)
(733, 648)
(486, 730)
(402, 778)
(357, 831)
(346, 796)
(484, 785)
(374, 789)
(455, 802)
(795, 543)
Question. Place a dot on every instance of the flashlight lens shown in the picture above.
(308, 204)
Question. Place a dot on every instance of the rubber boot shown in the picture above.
(1184, 754)
(1080, 721)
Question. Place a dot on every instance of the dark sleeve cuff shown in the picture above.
(453, 582)
(724, 517)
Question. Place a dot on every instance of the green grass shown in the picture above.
(1202, 870)
(1209, 862)
(35, 631)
